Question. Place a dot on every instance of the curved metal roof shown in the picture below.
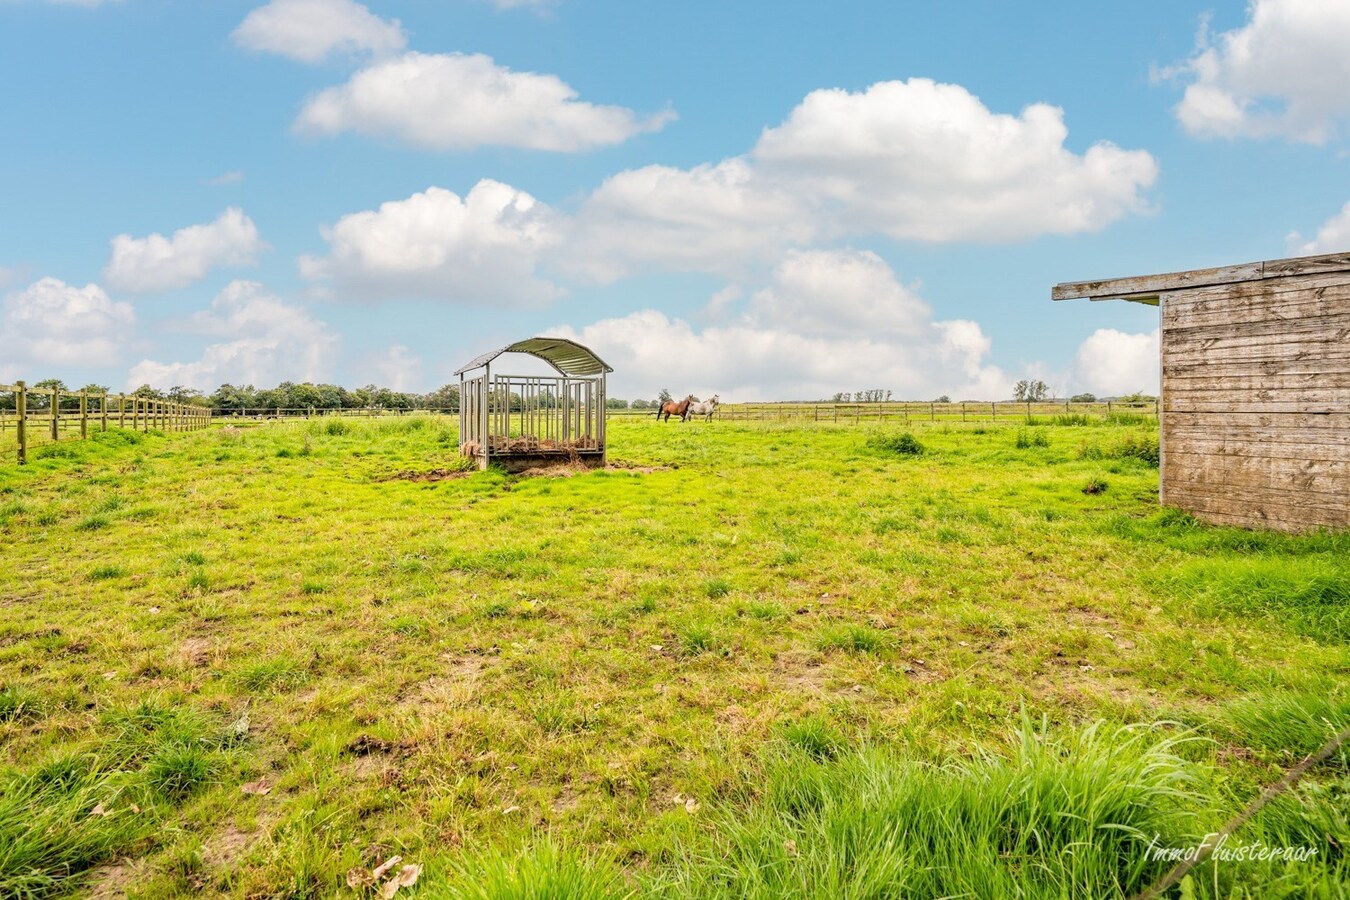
(568, 357)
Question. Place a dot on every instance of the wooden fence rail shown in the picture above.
(905, 412)
(1009, 411)
(37, 415)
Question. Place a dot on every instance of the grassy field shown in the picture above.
(746, 660)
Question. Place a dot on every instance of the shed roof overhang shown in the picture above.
(568, 357)
(1148, 288)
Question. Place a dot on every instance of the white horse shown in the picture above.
(705, 409)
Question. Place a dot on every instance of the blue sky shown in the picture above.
(764, 200)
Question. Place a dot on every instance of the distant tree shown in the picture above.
(267, 398)
(304, 396)
(615, 403)
(1033, 390)
(148, 393)
(227, 397)
(444, 397)
(1083, 398)
(330, 396)
(664, 397)
(839, 397)
(640, 404)
(1138, 397)
(39, 400)
(943, 399)
(180, 394)
(92, 388)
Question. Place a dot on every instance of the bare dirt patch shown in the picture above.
(224, 848)
(454, 686)
(623, 465)
(431, 475)
(195, 652)
(366, 744)
(111, 882)
(568, 469)
(801, 672)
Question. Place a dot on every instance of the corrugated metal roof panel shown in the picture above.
(567, 356)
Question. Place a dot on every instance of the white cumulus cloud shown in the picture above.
(264, 340)
(1283, 73)
(483, 248)
(839, 293)
(916, 160)
(51, 323)
(234, 176)
(712, 218)
(784, 344)
(1332, 237)
(457, 102)
(537, 5)
(159, 263)
(311, 30)
(398, 368)
(1112, 362)
(927, 161)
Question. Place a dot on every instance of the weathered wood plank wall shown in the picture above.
(1256, 401)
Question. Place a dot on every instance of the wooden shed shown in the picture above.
(1255, 411)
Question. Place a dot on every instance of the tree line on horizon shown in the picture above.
(229, 398)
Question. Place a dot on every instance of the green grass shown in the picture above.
(761, 660)
(1054, 816)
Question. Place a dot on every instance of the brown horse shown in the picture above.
(671, 407)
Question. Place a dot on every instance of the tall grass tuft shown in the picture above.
(76, 811)
(815, 737)
(19, 704)
(1028, 438)
(1292, 725)
(543, 872)
(1143, 446)
(852, 639)
(1058, 816)
(49, 834)
(1307, 594)
(904, 444)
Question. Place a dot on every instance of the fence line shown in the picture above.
(823, 411)
(37, 416)
(916, 411)
(308, 412)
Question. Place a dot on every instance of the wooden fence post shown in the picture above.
(103, 412)
(21, 407)
(56, 412)
(84, 415)
(121, 410)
